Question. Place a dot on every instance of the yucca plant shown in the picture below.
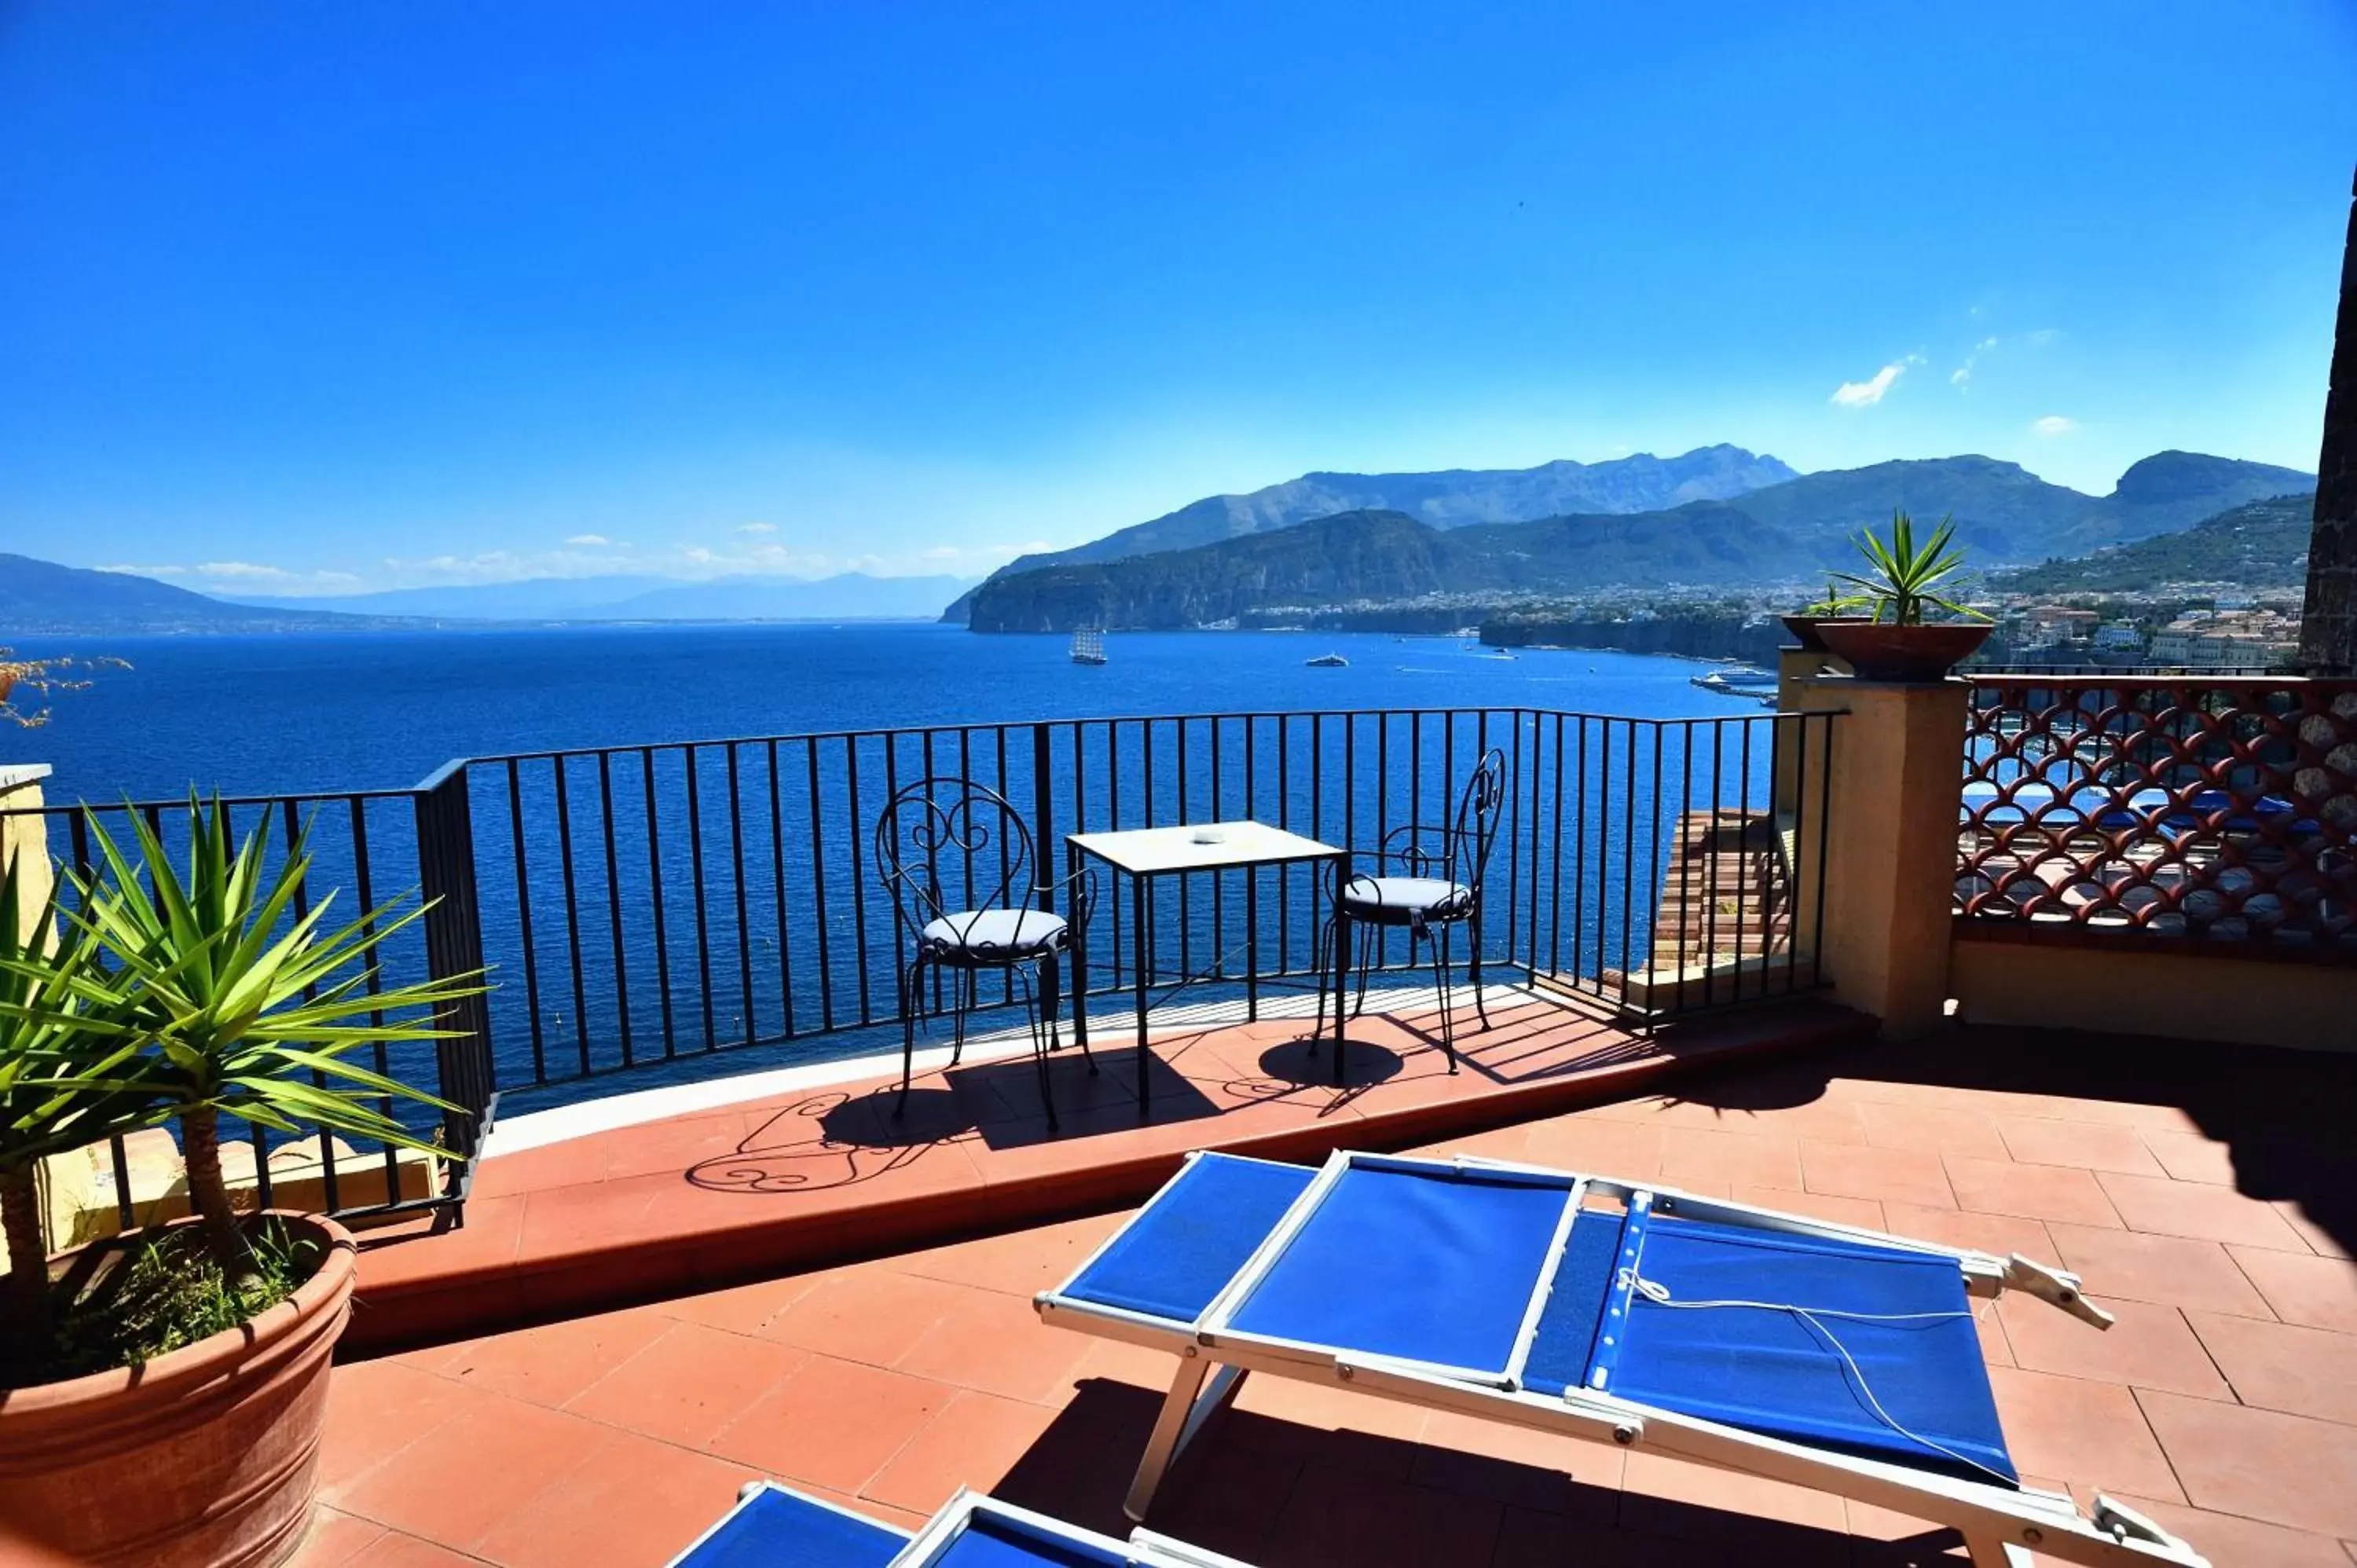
(247, 1008)
(70, 1074)
(1904, 575)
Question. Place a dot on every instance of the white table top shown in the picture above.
(1145, 851)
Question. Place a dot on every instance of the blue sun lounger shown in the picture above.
(776, 1527)
(1732, 1336)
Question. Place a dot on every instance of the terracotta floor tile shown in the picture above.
(1596, 1146)
(486, 1243)
(1334, 1516)
(2089, 1433)
(1299, 1420)
(2258, 1464)
(332, 1540)
(1942, 1130)
(972, 1442)
(551, 1364)
(832, 1424)
(2169, 1270)
(2280, 1365)
(2231, 1543)
(2032, 1192)
(481, 1467)
(872, 1315)
(2148, 1346)
(2189, 1156)
(1883, 1175)
(673, 1147)
(2318, 1292)
(395, 1548)
(2322, 1238)
(1694, 1159)
(1528, 1539)
(2090, 1146)
(740, 1309)
(2002, 1234)
(375, 1408)
(687, 1385)
(634, 1502)
(1022, 1262)
(995, 1342)
(2164, 1208)
(1513, 1465)
(1662, 1495)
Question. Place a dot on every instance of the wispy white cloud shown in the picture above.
(2043, 336)
(1962, 375)
(757, 528)
(1867, 392)
(242, 572)
(586, 539)
(2055, 424)
(129, 570)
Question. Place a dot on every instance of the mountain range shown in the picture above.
(2262, 545)
(1452, 498)
(1792, 530)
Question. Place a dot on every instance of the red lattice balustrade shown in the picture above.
(2184, 806)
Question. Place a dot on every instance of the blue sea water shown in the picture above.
(341, 710)
(661, 908)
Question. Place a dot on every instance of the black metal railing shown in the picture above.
(709, 906)
(366, 846)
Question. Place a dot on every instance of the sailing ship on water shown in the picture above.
(1088, 645)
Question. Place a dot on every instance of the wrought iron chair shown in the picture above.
(1428, 881)
(955, 858)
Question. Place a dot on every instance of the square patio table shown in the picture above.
(1144, 853)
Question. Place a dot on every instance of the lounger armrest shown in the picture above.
(2127, 1524)
(2052, 1284)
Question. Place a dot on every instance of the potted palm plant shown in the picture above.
(174, 1416)
(1903, 581)
(1834, 606)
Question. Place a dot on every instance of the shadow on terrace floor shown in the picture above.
(1286, 1494)
(2283, 1114)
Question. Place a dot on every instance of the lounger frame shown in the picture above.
(1143, 1549)
(2000, 1525)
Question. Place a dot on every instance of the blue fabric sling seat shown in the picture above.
(1848, 1346)
(1176, 1255)
(990, 1543)
(778, 1529)
(1882, 1362)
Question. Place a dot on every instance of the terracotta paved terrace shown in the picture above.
(726, 1192)
(2208, 1194)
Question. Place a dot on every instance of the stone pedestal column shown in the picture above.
(1895, 776)
(25, 839)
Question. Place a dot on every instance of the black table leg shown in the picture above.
(1252, 944)
(1342, 947)
(1078, 917)
(1138, 949)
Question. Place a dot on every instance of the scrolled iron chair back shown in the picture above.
(943, 820)
(1457, 850)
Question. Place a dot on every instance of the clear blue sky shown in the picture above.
(366, 293)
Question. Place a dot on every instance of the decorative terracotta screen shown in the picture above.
(2190, 806)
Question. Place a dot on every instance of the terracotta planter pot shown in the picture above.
(1875, 650)
(1804, 631)
(206, 1457)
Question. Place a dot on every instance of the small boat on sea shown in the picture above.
(1088, 645)
(1329, 661)
(1736, 680)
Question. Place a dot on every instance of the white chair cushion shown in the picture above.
(1000, 931)
(1400, 896)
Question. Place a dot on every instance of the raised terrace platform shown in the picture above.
(673, 1190)
(2208, 1195)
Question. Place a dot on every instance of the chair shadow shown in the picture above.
(2281, 1113)
(1282, 1494)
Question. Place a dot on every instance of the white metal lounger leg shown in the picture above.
(1185, 1409)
